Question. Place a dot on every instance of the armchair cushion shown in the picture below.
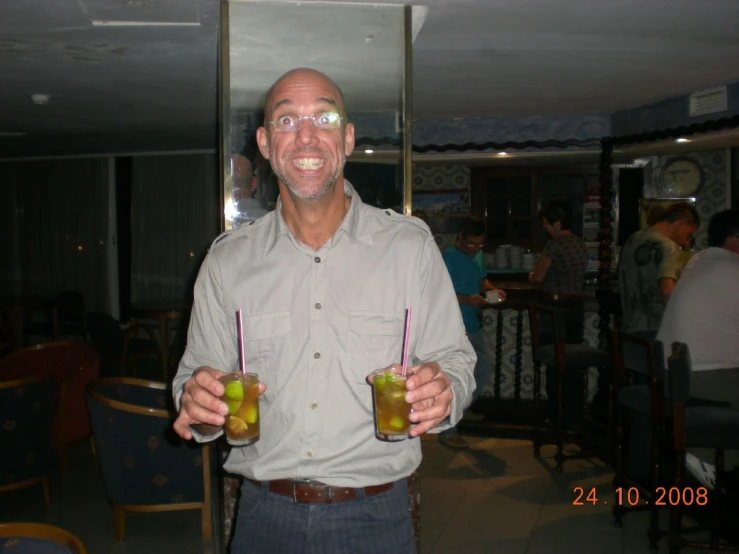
(72, 365)
(635, 397)
(712, 427)
(142, 460)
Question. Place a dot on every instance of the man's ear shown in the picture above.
(263, 142)
(349, 139)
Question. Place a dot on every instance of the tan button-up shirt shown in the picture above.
(316, 323)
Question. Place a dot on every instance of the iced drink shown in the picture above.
(391, 409)
(241, 395)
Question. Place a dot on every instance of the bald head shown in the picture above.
(302, 74)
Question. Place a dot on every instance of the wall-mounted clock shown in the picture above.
(682, 177)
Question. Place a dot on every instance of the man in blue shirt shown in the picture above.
(466, 267)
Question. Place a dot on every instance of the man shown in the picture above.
(323, 282)
(466, 267)
(650, 265)
(703, 312)
(246, 207)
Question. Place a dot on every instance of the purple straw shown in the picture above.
(406, 340)
(240, 327)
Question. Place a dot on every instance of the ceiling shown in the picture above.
(140, 75)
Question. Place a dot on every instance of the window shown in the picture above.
(510, 199)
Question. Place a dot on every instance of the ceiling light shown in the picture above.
(40, 99)
(369, 151)
(502, 153)
(682, 139)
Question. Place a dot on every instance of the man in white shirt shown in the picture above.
(703, 312)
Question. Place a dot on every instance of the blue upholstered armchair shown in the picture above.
(145, 466)
(37, 538)
(26, 423)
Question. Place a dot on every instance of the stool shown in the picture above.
(563, 357)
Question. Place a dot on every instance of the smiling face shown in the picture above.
(308, 161)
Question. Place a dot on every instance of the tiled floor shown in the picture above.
(494, 498)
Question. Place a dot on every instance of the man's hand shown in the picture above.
(477, 301)
(502, 294)
(430, 396)
(200, 402)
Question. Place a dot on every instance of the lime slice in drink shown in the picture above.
(250, 414)
(233, 406)
(234, 390)
(397, 422)
(234, 425)
(379, 381)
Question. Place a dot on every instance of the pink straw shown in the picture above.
(406, 340)
(240, 327)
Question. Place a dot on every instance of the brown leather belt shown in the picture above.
(305, 491)
(562, 296)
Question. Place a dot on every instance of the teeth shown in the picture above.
(308, 163)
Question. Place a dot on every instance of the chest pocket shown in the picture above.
(264, 337)
(376, 340)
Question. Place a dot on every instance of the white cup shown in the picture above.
(492, 296)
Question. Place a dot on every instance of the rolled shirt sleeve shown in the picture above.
(211, 337)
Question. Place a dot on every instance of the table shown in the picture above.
(163, 312)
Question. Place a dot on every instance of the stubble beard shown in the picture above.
(293, 185)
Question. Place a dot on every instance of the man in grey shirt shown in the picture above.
(650, 265)
(323, 282)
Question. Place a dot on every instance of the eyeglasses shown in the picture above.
(323, 121)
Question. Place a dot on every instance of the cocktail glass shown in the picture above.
(241, 395)
(391, 409)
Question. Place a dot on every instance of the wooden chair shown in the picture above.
(565, 358)
(145, 467)
(72, 365)
(37, 538)
(699, 426)
(120, 349)
(26, 423)
(640, 394)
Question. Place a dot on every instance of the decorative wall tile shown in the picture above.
(441, 177)
(508, 349)
(713, 195)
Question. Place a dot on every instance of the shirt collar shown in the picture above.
(355, 224)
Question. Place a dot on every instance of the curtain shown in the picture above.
(54, 229)
(174, 219)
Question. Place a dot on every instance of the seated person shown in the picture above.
(703, 312)
(561, 271)
(649, 266)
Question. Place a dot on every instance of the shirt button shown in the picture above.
(317, 260)
(309, 453)
(314, 406)
(318, 305)
(317, 355)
